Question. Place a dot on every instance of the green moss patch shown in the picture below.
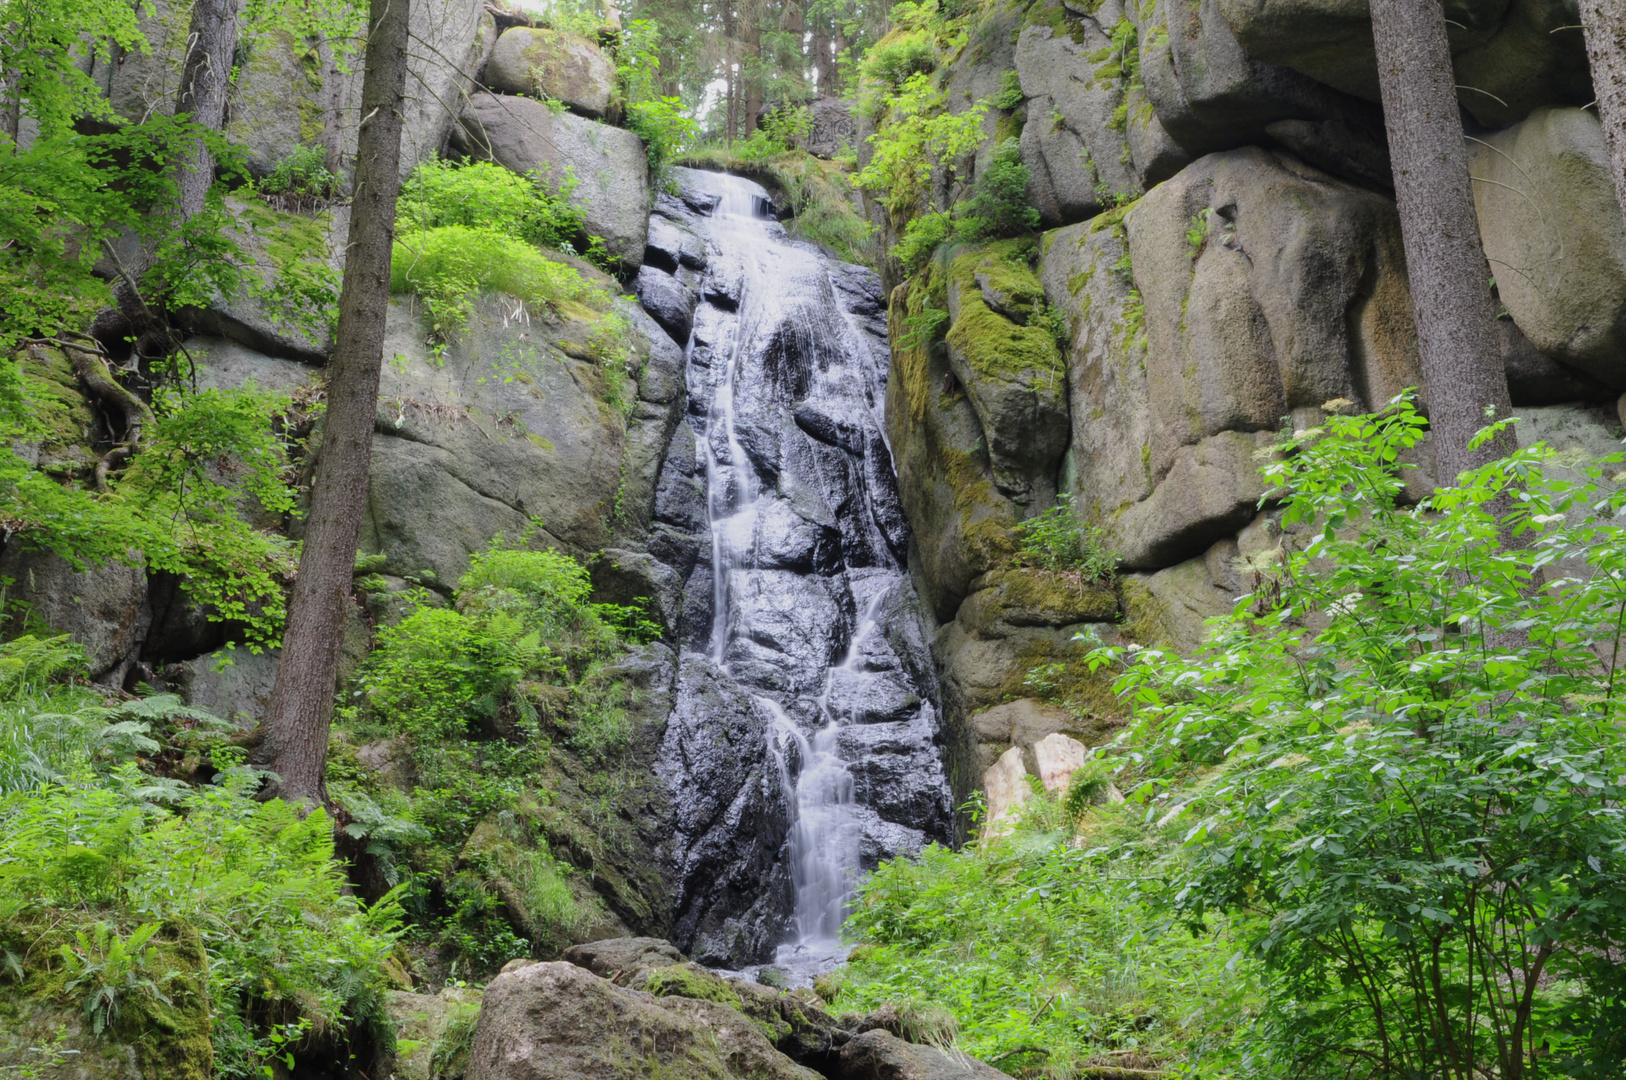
(992, 344)
(691, 981)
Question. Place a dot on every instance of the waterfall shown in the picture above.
(799, 613)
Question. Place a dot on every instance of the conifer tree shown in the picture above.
(1457, 342)
(301, 708)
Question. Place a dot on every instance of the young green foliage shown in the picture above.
(919, 135)
(1058, 540)
(1416, 765)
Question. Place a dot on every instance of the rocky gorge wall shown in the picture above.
(1221, 237)
(585, 427)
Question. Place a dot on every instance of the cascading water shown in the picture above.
(802, 749)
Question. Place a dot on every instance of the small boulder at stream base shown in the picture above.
(880, 1055)
(557, 1021)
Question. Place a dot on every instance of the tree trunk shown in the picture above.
(751, 65)
(823, 59)
(205, 82)
(296, 722)
(200, 97)
(1604, 25)
(1450, 280)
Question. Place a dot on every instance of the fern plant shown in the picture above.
(108, 970)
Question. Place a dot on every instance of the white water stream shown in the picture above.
(801, 568)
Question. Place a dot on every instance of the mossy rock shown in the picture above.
(65, 423)
(829, 985)
(44, 1035)
(1010, 365)
(690, 980)
(1035, 597)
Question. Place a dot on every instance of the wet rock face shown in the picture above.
(778, 507)
(731, 820)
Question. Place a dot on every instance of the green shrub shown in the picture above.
(1010, 91)
(1408, 765)
(781, 131)
(1057, 540)
(666, 128)
(657, 118)
(87, 870)
(895, 59)
(300, 181)
(535, 208)
(522, 617)
(450, 265)
(998, 206)
(1044, 954)
(170, 510)
(920, 135)
(921, 237)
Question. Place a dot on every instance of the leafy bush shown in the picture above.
(921, 237)
(658, 119)
(1409, 766)
(300, 181)
(1057, 540)
(535, 208)
(781, 130)
(896, 59)
(919, 135)
(255, 881)
(171, 509)
(998, 205)
(1046, 954)
(523, 620)
(1010, 91)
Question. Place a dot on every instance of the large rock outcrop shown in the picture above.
(1555, 238)
(610, 165)
(508, 424)
(560, 1022)
(291, 92)
(552, 64)
(1268, 288)
(1511, 56)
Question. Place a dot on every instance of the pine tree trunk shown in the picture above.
(751, 66)
(205, 82)
(1604, 25)
(301, 708)
(1445, 260)
(823, 59)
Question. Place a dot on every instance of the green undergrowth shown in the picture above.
(479, 700)
(478, 228)
(177, 507)
(1048, 949)
(204, 928)
(1372, 829)
(1400, 761)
